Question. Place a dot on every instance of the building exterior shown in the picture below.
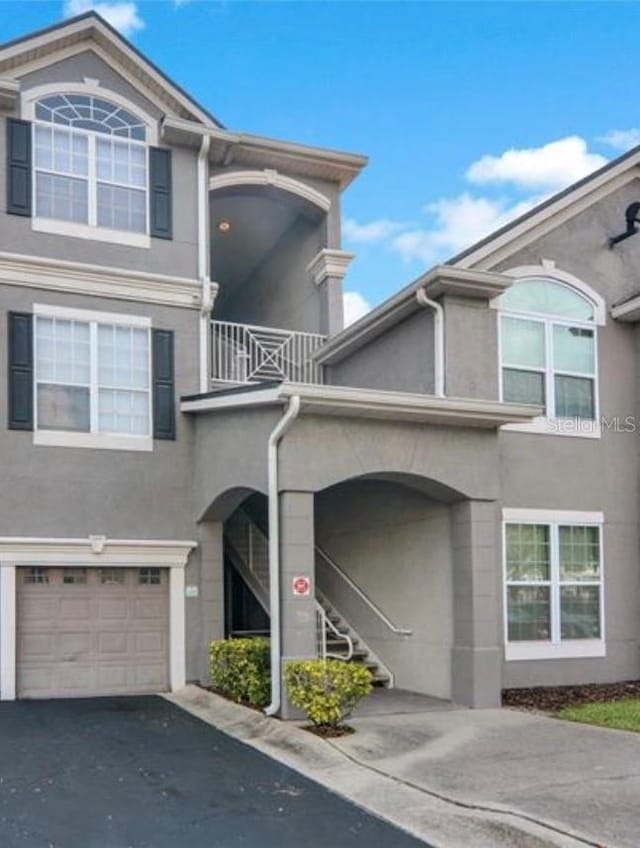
(194, 446)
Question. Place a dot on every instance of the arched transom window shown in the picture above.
(90, 163)
(548, 348)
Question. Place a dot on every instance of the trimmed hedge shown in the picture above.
(326, 690)
(240, 670)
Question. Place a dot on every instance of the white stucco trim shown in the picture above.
(535, 516)
(269, 177)
(8, 633)
(93, 552)
(329, 263)
(30, 96)
(177, 630)
(103, 281)
(70, 229)
(569, 649)
(549, 271)
(93, 441)
(101, 316)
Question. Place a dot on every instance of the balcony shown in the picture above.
(243, 354)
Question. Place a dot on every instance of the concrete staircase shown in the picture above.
(247, 548)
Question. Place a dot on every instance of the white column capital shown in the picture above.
(329, 263)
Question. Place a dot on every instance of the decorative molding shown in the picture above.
(550, 271)
(90, 34)
(329, 263)
(548, 516)
(102, 317)
(9, 91)
(460, 282)
(99, 281)
(95, 550)
(29, 97)
(269, 177)
(70, 229)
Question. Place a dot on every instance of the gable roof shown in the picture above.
(92, 27)
(608, 177)
(477, 261)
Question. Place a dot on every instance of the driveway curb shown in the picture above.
(442, 821)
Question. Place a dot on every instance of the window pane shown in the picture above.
(75, 576)
(528, 552)
(123, 412)
(63, 351)
(548, 297)
(523, 386)
(112, 576)
(528, 613)
(574, 397)
(122, 208)
(149, 576)
(63, 198)
(523, 342)
(36, 575)
(580, 612)
(579, 553)
(573, 349)
(63, 408)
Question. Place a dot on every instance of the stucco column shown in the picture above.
(476, 656)
(328, 269)
(211, 592)
(297, 560)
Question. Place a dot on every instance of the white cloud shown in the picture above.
(123, 16)
(458, 223)
(621, 139)
(378, 230)
(355, 306)
(551, 167)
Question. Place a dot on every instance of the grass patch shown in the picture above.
(619, 715)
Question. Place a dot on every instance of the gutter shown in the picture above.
(283, 425)
(203, 271)
(438, 339)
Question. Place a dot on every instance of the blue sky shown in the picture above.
(469, 112)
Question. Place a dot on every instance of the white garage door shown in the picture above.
(93, 631)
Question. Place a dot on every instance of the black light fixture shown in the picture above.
(632, 217)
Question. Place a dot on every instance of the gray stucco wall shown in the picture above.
(395, 545)
(400, 360)
(72, 492)
(177, 256)
(280, 291)
(559, 472)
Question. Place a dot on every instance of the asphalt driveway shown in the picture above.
(141, 773)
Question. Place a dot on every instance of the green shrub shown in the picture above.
(240, 670)
(326, 690)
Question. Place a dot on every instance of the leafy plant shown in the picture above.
(326, 690)
(240, 670)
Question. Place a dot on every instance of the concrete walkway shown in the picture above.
(456, 777)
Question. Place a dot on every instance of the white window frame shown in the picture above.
(72, 228)
(549, 423)
(555, 648)
(94, 438)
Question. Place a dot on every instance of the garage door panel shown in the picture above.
(96, 637)
(36, 645)
(110, 609)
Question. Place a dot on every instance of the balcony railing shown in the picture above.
(242, 353)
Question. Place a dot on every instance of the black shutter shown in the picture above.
(164, 406)
(18, 167)
(20, 371)
(160, 193)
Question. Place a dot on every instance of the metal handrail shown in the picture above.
(362, 595)
(325, 622)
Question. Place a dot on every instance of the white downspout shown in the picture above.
(438, 339)
(203, 275)
(274, 549)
